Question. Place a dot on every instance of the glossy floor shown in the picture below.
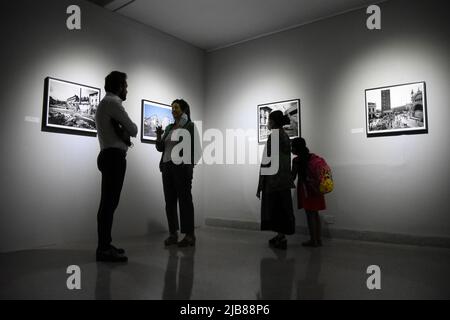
(230, 264)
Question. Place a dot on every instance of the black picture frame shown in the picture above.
(396, 110)
(288, 107)
(69, 107)
(154, 114)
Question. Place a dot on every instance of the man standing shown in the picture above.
(114, 128)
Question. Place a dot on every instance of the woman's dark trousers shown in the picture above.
(177, 184)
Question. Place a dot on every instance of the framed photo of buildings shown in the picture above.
(291, 108)
(69, 107)
(397, 109)
(154, 114)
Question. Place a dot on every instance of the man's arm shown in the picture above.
(119, 114)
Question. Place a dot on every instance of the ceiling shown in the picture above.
(215, 24)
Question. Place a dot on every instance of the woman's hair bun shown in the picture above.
(279, 119)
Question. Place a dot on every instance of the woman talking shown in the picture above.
(176, 176)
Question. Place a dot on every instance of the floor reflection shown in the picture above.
(103, 280)
(277, 277)
(230, 264)
(309, 287)
(179, 276)
(134, 279)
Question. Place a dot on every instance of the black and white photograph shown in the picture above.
(154, 114)
(291, 108)
(70, 107)
(398, 109)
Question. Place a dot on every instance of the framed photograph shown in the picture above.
(154, 114)
(291, 108)
(69, 107)
(395, 110)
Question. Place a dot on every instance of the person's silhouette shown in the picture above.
(114, 128)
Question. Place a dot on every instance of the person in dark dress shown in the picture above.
(276, 201)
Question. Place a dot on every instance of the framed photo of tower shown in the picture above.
(154, 114)
(395, 110)
(291, 108)
(69, 107)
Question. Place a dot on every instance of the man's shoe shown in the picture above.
(118, 250)
(110, 255)
(188, 241)
(172, 239)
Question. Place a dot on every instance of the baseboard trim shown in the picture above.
(336, 233)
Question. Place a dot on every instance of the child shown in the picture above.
(308, 196)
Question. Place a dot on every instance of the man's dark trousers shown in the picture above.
(112, 164)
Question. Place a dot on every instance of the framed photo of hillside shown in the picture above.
(154, 114)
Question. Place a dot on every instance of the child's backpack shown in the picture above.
(320, 174)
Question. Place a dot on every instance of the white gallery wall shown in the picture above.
(50, 182)
(396, 184)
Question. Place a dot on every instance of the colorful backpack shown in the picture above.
(320, 174)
